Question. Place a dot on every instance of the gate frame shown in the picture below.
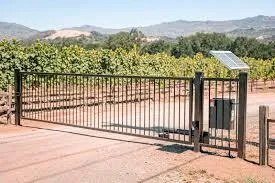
(198, 109)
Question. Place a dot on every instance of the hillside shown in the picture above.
(13, 30)
(252, 27)
(257, 33)
(183, 27)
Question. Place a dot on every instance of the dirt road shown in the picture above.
(39, 152)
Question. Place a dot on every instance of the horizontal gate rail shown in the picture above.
(104, 75)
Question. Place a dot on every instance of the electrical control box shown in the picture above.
(221, 112)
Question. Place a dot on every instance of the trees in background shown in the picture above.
(204, 42)
(124, 40)
(155, 47)
(181, 47)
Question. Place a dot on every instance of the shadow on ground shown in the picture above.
(172, 148)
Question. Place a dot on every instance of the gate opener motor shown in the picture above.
(221, 111)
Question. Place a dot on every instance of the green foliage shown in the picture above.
(124, 40)
(241, 46)
(43, 57)
(200, 42)
(156, 47)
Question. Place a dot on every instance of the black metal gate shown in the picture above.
(154, 107)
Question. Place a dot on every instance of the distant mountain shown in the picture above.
(13, 30)
(183, 27)
(253, 27)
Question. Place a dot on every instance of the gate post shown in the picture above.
(263, 135)
(198, 118)
(18, 96)
(242, 114)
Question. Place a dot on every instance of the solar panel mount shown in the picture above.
(230, 60)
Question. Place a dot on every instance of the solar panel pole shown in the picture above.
(242, 114)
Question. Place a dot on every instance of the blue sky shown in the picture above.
(56, 14)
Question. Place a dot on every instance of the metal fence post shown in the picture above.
(18, 96)
(198, 118)
(263, 136)
(242, 114)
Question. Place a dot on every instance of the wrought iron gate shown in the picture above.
(154, 107)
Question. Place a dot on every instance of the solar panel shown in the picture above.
(230, 60)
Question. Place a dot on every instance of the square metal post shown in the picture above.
(18, 96)
(242, 114)
(198, 118)
(263, 134)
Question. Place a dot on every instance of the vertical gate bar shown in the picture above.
(122, 101)
(169, 105)
(191, 97)
(53, 97)
(237, 113)
(154, 113)
(184, 107)
(102, 101)
(242, 114)
(209, 103)
(140, 106)
(106, 102)
(28, 95)
(198, 110)
(174, 119)
(159, 106)
(144, 108)
(216, 120)
(94, 96)
(98, 102)
(32, 100)
(60, 108)
(135, 106)
(23, 95)
(222, 139)
(57, 93)
(81, 100)
(71, 102)
(87, 101)
(47, 97)
(43, 86)
(18, 94)
(118, 110)
(131, 107)
(110, 102)
(61, 85)
(179, 122)
(127, 105)
(66, 105)
(76, 101)
(163, 122)
(50, 98)
(229, 140)
(149, 114)
(267, 139)
(114, 103)
(32, 96)
(39, 98)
